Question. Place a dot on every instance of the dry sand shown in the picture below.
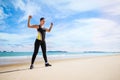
(94, 68)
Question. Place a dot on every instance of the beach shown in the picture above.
(88, 68)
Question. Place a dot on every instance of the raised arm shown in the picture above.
(48, 30)
(32, 26)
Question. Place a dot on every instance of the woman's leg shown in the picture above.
(43, 47)
(36, 49)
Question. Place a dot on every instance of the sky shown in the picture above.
(79, 25)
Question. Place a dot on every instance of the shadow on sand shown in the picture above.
(9, 71)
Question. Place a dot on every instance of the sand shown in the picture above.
(93, 68)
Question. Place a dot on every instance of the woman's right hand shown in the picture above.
(30, 16)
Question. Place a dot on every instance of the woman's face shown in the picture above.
(42, 22)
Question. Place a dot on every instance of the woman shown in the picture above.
(40, 41)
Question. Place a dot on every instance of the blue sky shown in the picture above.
(79, 25)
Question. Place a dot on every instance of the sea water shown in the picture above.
(15, 57)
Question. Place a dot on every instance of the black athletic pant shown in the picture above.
(36, 49)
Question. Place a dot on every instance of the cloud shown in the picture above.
(16, 38)
(66, 8)
(3, 16)
(95, 34)
(112, 10)
(104, 31)
(14, 41)
(63, 8)
(27, 7)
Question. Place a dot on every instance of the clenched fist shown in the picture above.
(30, 16)
(51, 24)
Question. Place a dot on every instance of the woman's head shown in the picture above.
(42, 21)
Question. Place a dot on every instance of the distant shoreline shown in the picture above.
(70, 51)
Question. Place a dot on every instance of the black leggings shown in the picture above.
(36, 49)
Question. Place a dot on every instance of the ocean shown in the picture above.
(16, 57)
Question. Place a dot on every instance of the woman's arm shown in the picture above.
(48, 30)
(32, 26)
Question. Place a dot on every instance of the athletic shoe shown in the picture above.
(47, 65)
(31, 67)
